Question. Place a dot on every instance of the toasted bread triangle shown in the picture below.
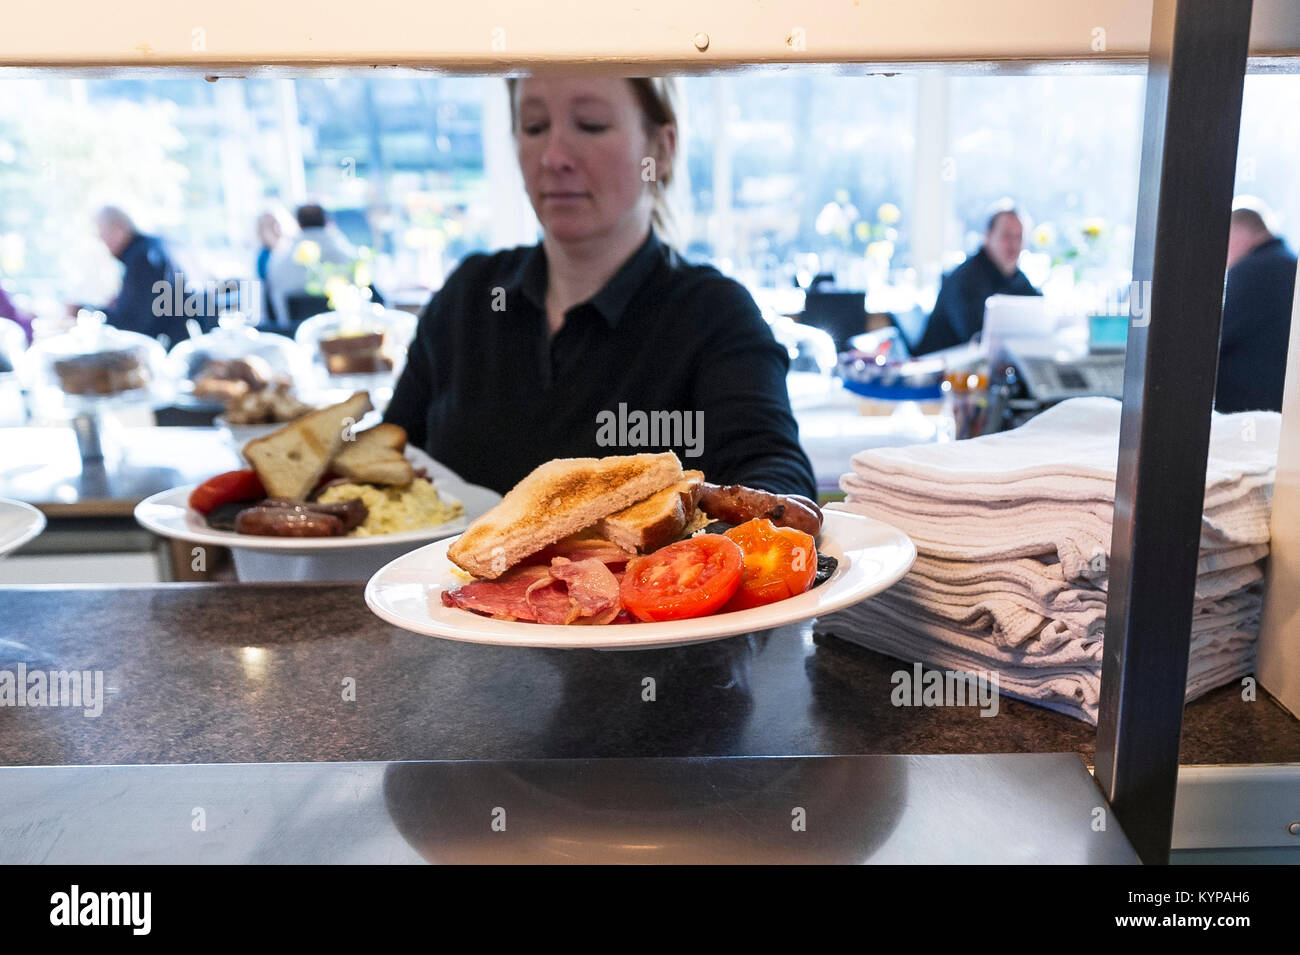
(291, 460)
(655, 521)
(375, 456)
(557, 499)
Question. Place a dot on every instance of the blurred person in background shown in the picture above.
(145, 262)
(11, 312)
(290, 270)
(1257, 307)
(274, 228)
(993, 270)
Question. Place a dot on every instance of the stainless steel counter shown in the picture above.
(1017, 808)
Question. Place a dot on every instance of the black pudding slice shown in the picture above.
(222, 517)
(825, 567)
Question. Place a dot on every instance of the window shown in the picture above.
(884, 181)
(789, 164)
(1067, 150)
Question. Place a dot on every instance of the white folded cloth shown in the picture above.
(1013, 534)
(1222, 664)
(1012, 602)
(941, 524)
(1044, 583)
(1047, 488)
(1067, 678)
(1069, 452)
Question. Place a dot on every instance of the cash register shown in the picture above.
(1050, 374)
(1037, 367)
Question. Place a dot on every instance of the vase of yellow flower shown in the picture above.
(1083, 247)
(333, 280)
(860, 246)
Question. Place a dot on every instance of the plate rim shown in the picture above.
(663, 634)
(311, 545)
(33, 531)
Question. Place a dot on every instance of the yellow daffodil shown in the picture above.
(828, 219)
(1044, 236)
(888, 213)
(882, 250)
(336, 289)
(862, 231)
(307, 252)
(1094, 226)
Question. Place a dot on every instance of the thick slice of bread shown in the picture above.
(291, 460)
(375, 456)
(658, 520)
(557, 499)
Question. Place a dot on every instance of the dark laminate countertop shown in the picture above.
(254, 673)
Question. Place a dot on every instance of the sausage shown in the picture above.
(736, 504)
(811, 505)
(287, 522)
(351, 512)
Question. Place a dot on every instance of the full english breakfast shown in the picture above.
(316, 477)
(590, 541)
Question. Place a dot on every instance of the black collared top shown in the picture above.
(959, 308)
(667, 356)
(146, 264)
(1256, 329)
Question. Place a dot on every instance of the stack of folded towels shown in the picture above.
(1013, 533)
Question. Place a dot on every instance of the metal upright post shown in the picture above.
(1189, 147)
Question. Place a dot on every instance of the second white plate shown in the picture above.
(168, 514)
(313, 558)
(19, 523)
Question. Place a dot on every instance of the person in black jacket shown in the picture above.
(959, 310)
(600, 340)
(1256, 317)
(142, 305)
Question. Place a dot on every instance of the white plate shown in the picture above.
(19, 523)
(168, 514)
(313, 558)
(408, 593)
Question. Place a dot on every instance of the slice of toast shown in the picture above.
(375, 456)
(658, 520)
(557, 499)
(291, 460)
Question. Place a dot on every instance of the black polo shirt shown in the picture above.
(667, 356)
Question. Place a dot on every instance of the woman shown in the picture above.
(273, 227)
(600, 340)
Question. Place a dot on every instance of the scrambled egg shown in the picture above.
(699, 520)
(395, 509)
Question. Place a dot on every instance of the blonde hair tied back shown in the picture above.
(661, 103)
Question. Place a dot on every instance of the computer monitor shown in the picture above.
(1015, 316)
(1107, 333)
(841, 314)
